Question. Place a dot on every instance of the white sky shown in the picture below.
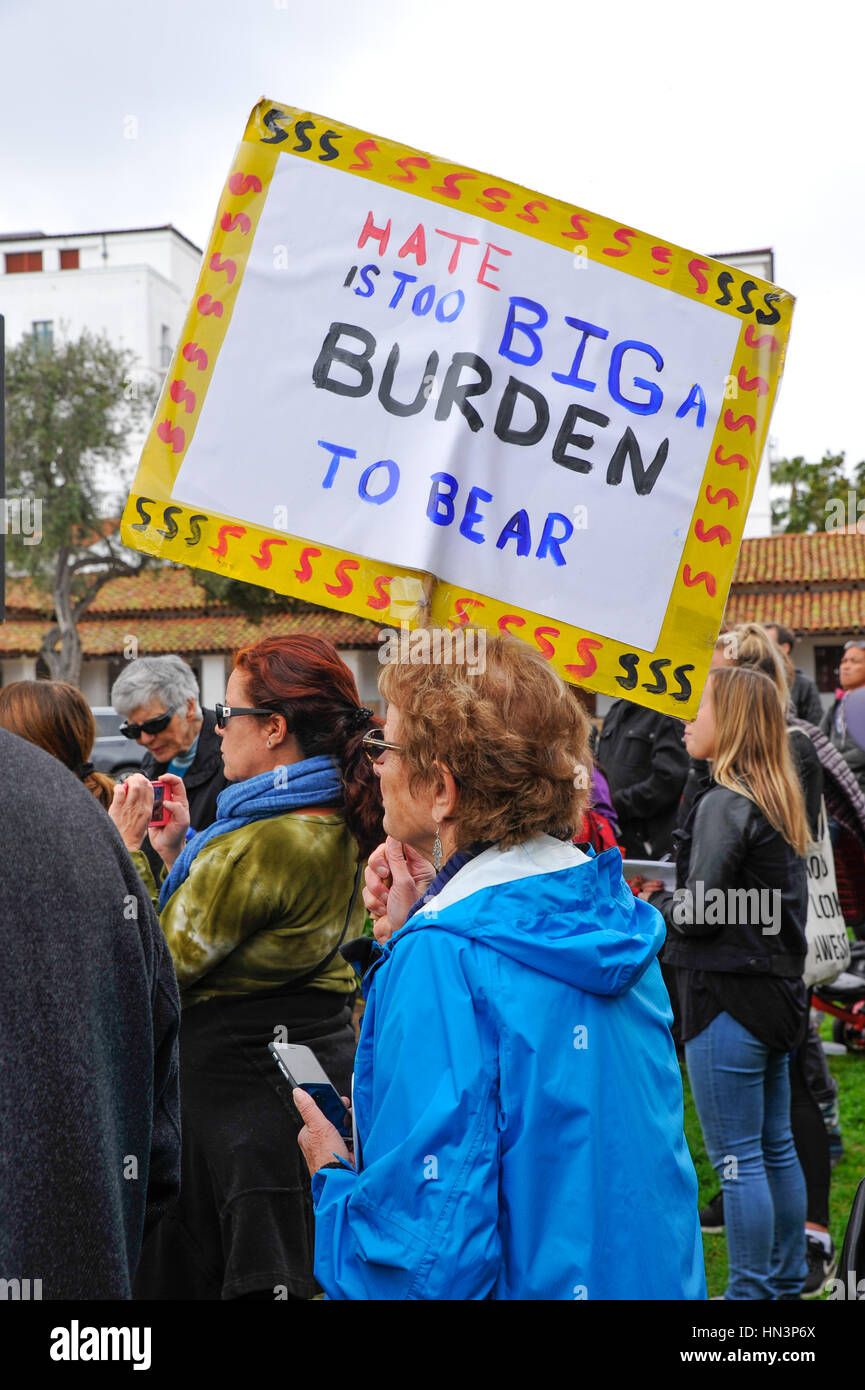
(723, 128)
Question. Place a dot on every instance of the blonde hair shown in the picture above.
(749, 644)
(510, 732)
(752, 750)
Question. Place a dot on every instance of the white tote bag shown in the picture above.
(828, 943)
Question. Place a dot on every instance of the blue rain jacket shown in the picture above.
(517, 1099)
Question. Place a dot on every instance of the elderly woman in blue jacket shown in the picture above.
(517, 1100)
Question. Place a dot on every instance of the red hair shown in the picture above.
(303, 678)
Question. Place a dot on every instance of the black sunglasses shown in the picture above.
(225, 712)
(150, 726)
(373, 744)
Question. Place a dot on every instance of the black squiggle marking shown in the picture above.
(746, 307)
(685, 684)
(325, 143)
(628, 663)
(277, 133)
(140, 504)
(303, 141)
(171, 527)
(656, 668)
(194, 529)
(725, 280)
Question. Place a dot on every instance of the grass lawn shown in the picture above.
(849, 1072)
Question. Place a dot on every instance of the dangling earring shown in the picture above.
(437, 850)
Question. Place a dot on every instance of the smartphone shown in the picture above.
(160, 810)
(300, 1067)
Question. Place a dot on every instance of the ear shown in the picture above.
(445, 793)
(276, 727)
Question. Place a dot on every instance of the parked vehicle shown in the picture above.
(112, 753)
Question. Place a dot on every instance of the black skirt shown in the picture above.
(243, 1224)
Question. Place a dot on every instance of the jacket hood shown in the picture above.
(548, 906)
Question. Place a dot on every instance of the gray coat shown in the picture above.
(89, 1014)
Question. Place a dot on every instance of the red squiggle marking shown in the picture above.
(723, 494)
(460, 606)
(172, 435)
(757, 383)
(715, 533)
(509, 620)
(308, 553)
(527, 215)
(448, 185)
(345, 584)
(228, 265)
(704, 577)
(696, 268)
(206, 304)
(241, 183)
(733, 422)
(381, 597)
(264, 559)
(580, 226)
(193, 353)
(231, 224)
(662, 253)
(361, 149)
(546, 648)
(494, 199)
(411, 160)
(765, 339)
(586, 647)
(623, 235)
(222, 537)
(734, 458)
(181, 395)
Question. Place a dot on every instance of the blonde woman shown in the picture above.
(736, 943)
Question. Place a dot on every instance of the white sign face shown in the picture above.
(405, 380)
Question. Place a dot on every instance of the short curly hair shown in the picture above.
(512, 733)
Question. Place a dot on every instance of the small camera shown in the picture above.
(160, 810)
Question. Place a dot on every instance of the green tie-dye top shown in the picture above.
(261, 905)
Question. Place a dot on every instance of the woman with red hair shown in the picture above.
(254, 909)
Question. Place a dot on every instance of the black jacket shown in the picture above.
(727, 844)
(203, 781)
(805, 698)
(89, 1016)
(644, 759)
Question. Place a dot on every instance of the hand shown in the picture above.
(396, 875)
(650, 886)
(131, 809)
(636, 884)
(319, 1140)
(168, 840)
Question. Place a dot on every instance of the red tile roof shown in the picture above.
(157, 636)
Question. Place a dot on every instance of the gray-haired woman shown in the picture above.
(159, 699)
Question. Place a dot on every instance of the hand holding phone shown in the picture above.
(301, 1068)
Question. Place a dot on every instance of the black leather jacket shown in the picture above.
(728, 844)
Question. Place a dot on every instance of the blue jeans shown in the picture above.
(742, 1093)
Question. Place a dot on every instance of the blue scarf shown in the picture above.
(312, 782)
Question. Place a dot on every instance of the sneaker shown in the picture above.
(822, 1264)
(712, 1216)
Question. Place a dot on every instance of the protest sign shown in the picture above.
(419, 393)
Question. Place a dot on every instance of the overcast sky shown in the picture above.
(728, 127)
